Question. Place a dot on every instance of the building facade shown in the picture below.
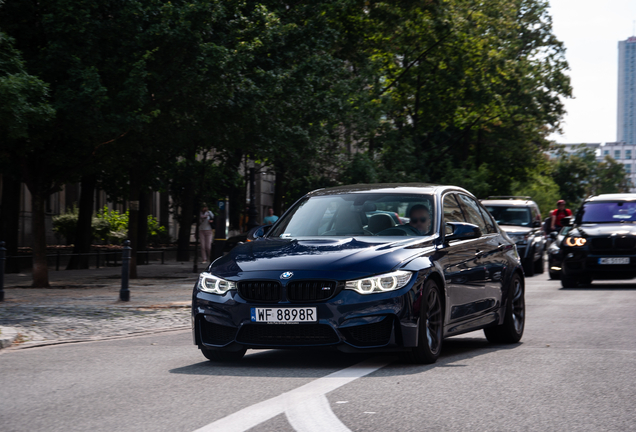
(626, 110)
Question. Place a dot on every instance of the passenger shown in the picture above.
(420, 219)
(558, 214)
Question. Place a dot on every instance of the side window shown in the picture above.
(471, 209)
(452, 211)
(490, 225)
(536, 216)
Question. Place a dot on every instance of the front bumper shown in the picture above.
(578, 264)
(348, 321)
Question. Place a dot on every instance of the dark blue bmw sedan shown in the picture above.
(364, 267)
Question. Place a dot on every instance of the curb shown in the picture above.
(7, 336)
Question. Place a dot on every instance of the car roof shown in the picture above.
(400, 188)
(509, 202)
(613, 197)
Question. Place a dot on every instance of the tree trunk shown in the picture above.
(40, 268)
(185, 224)
(10, 220)
(83, 232)
(279, 191)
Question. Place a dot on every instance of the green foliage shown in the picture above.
(174, 96)
(361, 169)
(543, 190)
(66, 224)
(23, 97)
(108, 226)
(157, 234)
(579, 175)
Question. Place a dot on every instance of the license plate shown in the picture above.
(284, 315)
(621, 260)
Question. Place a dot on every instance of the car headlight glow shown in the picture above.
(382, 283)
(574, 241)
(215, 285)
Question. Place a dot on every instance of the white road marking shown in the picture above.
(299, 401)
(313, 414)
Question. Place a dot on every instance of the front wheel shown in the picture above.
(431, 326)
(515, 317)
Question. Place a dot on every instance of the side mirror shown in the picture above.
(566, 221)
(258, 232)
(536, 224)
(462, 231)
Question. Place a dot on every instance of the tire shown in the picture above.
(515, 316)
(539, 266)
(431, 326)
(554, 275)
(569, 282)
(528, 264)
(221, 355)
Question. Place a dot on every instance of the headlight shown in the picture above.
(382, 283)
(212, 284)
(574, 241)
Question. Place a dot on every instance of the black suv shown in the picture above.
(599, 244)
(520, 218)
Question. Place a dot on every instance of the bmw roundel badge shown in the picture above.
(286, 275)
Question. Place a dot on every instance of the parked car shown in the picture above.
(520, 218)
(320, 277)
(600, 243)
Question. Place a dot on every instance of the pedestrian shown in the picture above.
(270, 218)
(206, 218)
(245, 217)
(558, 214)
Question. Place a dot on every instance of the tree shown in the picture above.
(578, 175)
(24, 102)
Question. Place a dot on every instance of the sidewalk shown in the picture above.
(84, 305)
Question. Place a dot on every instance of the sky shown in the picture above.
(590, 31)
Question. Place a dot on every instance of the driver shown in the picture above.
(420, 219)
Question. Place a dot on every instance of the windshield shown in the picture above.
(599, 212)
(349, 215)
(511, 215)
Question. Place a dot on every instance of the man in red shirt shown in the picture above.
(559, 213)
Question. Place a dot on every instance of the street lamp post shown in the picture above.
(3, 251)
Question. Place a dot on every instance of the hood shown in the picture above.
(603, 230)
(350, 257)
(515, 229)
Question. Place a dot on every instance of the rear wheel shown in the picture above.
(431, 325)
(539, 265)
(222, 355)
(514, 321)
(528, 264)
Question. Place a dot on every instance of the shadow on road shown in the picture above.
(604, 286)
(313, 363)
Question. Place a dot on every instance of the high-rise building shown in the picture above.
(626, 125)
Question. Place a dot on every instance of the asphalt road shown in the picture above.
(575, 370)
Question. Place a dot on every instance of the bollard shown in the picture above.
(124, 292)
(2, 260)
